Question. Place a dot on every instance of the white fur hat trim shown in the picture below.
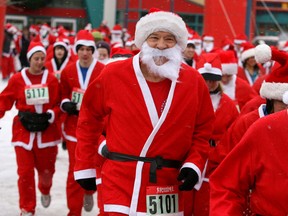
(247, 54)
(35, 49)
(272, 90)
(229, 69)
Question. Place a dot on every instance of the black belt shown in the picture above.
(156, 162)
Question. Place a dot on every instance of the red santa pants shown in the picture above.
(7, 66)
(197, 202)
(44, 161)
(74, 192)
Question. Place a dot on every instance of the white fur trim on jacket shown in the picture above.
(263, 53)
(161, 21)
(273, 90)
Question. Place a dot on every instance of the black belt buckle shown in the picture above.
(159, 162)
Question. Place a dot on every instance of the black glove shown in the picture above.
(64, 145)
(88, 184)
(212, 143)
(70, 108)
(34, 122)
(190, 178)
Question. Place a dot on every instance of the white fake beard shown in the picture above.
(208, 46)
(169, 69)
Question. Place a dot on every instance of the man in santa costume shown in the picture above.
(74, 81)
(257, 164)
(35, 93)
(159, 122)
(233, 86)
(209, 66)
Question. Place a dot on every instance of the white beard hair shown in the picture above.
(170, 69)
(208, 46)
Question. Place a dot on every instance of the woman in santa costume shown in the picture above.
(233, 86)
(250, 70)
(74, 81)
(159, 122)
(61, 57)
(35, 136)
(254, 168)
(209, 66)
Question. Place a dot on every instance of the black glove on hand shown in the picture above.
(190, 178)
(70, 108)
(34, 122)
(88, 184)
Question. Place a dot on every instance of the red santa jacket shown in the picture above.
(71, 80)
(226, 113)
(237, 130)
(258, 163)
(15, 92)
(134, 127)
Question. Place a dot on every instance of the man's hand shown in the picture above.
(70, 108)
(189, 177)
(88, 184)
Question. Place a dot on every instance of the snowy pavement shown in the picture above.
(8, 176)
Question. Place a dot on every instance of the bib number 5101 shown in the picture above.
(162, 204)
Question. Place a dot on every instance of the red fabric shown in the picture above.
(159, 93)
(237, 131)
(129, 126)
(43, 160)
(252, 105)
(244, 93)
(258, 162)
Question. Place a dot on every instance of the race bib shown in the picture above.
(77, 96)
(162, 200)
(37, 94)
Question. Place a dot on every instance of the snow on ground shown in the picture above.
(8, 176)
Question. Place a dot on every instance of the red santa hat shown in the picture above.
(117, 29)
(35, 47)
(194, 39)
(209, 66)
(46, 27)
(34, 29)
(61, 41)
(207, 37)
(227, 43)
(157, 20)
(276, 84)
(84, 38)
(240, 38)
(248, 50)
(11, 28)
(228, 62)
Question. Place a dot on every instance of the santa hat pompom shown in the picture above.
(263, 53)
(285, 98)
